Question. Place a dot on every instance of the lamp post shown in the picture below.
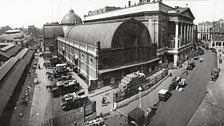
(140, 101)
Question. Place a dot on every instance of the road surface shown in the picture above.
(182, 106)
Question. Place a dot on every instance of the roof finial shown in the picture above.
(71, 11)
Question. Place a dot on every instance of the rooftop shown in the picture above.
(7, 50)
(12, 31)
(153, 6)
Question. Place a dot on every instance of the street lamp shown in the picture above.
(140, 101)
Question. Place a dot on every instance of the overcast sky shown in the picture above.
(19, 13)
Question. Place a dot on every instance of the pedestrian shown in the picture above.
(170, 74)
(186, 72)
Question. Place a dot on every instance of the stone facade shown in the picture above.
(217, 37)
(204, 30)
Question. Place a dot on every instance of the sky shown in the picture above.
(21, 13)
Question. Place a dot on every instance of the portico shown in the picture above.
(181, 25)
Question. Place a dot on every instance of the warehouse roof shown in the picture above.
(110, 34)
(7, 50)
(10, 83)
(10, 76)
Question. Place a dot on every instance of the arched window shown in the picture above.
(217, 43)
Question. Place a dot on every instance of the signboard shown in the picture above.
(89, 109)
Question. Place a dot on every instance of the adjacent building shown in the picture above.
(8, 50)
(32, 30)
(217, 36)
(204, 30)
(111, 44)
(13, 74)
(50, 32)
(12, 36)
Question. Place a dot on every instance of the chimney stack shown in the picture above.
(129, 3)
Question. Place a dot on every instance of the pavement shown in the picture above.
(151, 98)
(41, 110)
(179, 109)
(211, 110)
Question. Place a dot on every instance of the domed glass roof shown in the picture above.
(71, 18)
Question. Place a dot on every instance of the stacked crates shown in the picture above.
(130, 83)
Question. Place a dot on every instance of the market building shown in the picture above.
(111, 44)
(105, 52)
(170, 28)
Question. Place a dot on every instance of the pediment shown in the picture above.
(187, 13)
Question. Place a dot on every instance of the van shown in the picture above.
(164, 95)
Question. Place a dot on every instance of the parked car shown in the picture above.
(201, 59)
(164, 95)
(196, 58)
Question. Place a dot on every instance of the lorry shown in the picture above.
(63, 87)
(214, 74)
(72, 100)
(61, 68)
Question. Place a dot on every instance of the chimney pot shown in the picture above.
(129, 3)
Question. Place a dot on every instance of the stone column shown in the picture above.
(192, 33)
(181, 35)
(187, 38)
(175, 59)
(185, 33)
(176, 35)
